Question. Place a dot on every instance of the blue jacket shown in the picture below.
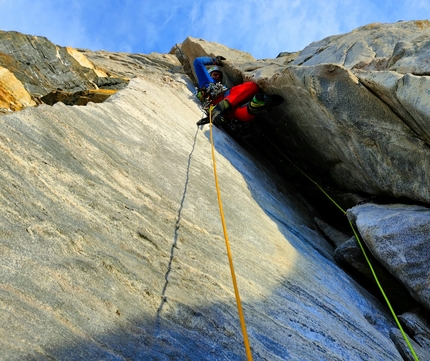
(203, 76)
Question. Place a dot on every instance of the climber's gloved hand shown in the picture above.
(218, 60)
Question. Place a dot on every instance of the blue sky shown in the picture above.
(261, 27)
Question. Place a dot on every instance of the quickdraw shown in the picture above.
(207, 94)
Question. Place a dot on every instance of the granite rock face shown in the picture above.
(365, 125)
(41, 65)
(111, 242)
(31, 67)
(13, 95)
(112, 246)
(398, 236)
(356, 112)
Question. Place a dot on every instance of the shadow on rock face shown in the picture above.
(78, 98)
(108, 87)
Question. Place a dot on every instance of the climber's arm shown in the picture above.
(203, 77)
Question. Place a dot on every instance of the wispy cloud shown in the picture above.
(262, 28)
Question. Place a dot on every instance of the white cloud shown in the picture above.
(260, 27)
(264, 29)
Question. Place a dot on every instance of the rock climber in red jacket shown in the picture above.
(242, 102)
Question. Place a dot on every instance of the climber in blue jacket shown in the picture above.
(209, 76)
(242, 102)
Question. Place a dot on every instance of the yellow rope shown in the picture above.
(364, 253)
(230, 257)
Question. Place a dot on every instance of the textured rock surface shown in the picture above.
(398, 236)
(364, 127)
(111, 243)
(354, 135)
(13, 95)
(420, 352)
(131, 65)
(32, 67)
(336, 237)
(350, 256)
(112, 246)
(401, 47)
(41, 65)
(361, 118)
(419, 328)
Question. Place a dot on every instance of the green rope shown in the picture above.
(362, 249)
(383, 293)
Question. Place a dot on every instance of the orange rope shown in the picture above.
(230, 257)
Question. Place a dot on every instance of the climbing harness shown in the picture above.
(362, 249)
(229, 254)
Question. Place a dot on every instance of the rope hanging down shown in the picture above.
(362, 249)
(230, 258)
(236, 290)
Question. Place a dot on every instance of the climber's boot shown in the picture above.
(219, 112)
